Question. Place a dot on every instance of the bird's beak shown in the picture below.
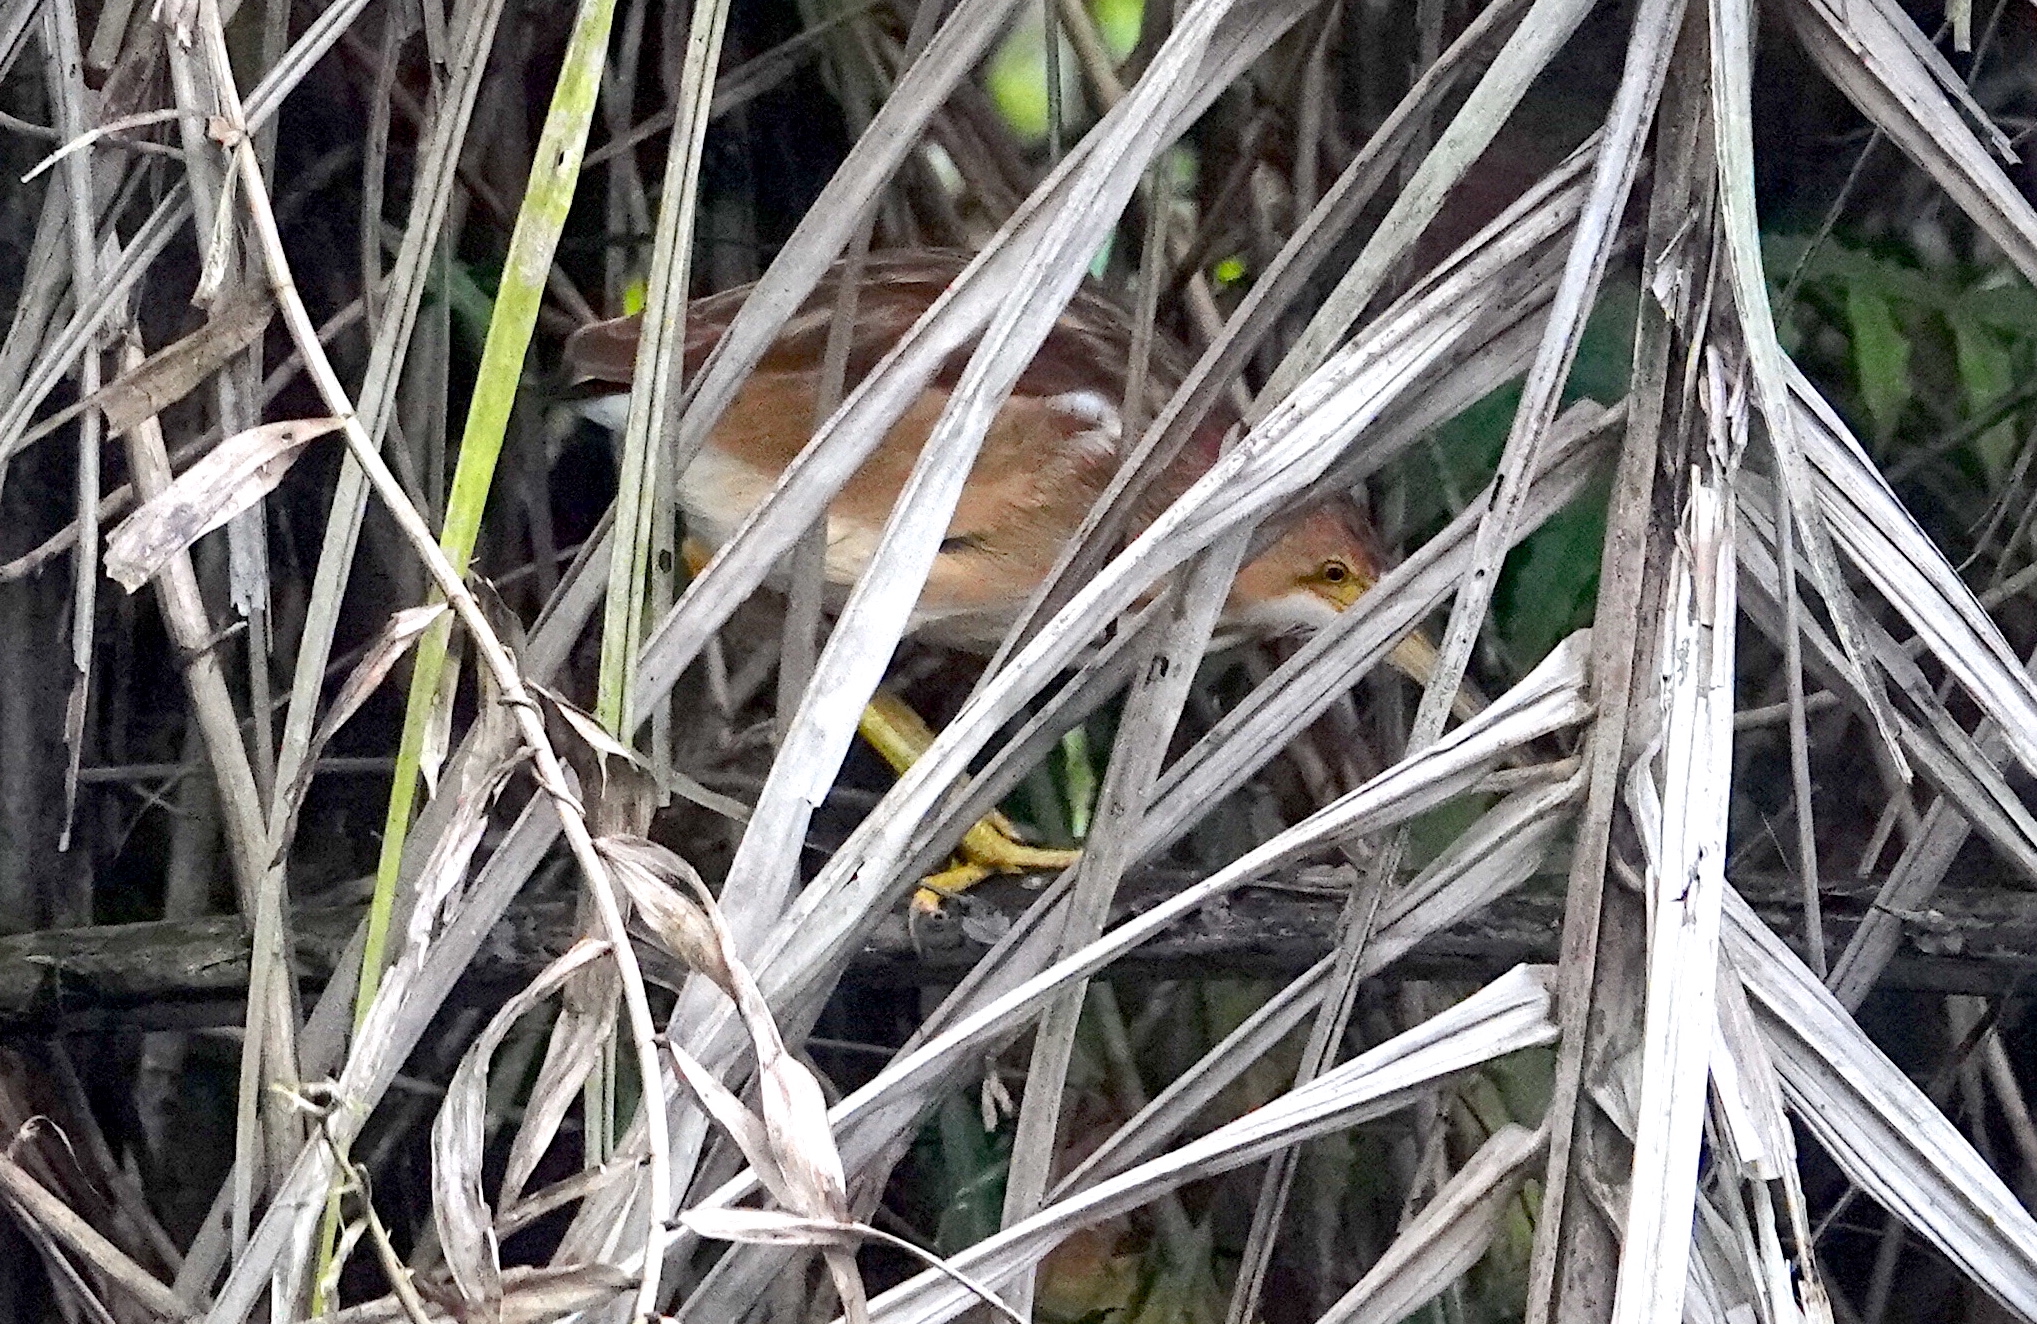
(1416, 658)
(1340, 596)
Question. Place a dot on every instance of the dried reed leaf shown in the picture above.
(1683, 830)
(459, 1209)
(796, 1135)
(1879, 1127)
(1447, 1237)
(768, 1227)
(1511, 1013)
(237, 473)
(1874, 54)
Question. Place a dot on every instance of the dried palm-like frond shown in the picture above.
(1385, 309)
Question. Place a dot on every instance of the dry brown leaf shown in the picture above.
(237, 473)
(529, 1296)
(794, 1125)
(672, 902)
(769, 1227)
(398, 633)
(590, 731)
(460, 1212)
(173, 372)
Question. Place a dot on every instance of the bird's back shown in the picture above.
(1045, 460)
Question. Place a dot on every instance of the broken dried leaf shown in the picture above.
(238, 472)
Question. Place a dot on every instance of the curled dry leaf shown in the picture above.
(585, 1025)
(474, 790)
(794, 1124)
(744, 1127)
(459, 1209)
(768, 1227)
(438, 726)
(590, 730)
(403, 629)
(591, 733)
(399, 632)
(673, 903)
(239, 472)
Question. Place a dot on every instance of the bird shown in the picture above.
(1048, 455)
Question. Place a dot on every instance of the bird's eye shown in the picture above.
(1334, 572)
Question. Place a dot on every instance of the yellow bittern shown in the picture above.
(1048, 456)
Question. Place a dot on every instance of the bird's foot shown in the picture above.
(992, 846)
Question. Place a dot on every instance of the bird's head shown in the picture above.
(1316, 569)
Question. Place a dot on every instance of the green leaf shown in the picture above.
(548, 196)
(1017, 77)
(1549, 585)
(1119, 22)
(2006, 307)
(1881, 356)
(472, 300)
(972, 1164)
(1987, 374)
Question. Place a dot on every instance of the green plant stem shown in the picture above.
(547, 198)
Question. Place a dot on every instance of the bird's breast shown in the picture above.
(718, 491)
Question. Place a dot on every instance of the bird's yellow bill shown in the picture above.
(1416, 658)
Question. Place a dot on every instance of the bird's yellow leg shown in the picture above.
(900, 735)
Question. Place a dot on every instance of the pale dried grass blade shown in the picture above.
(1960, 767)
(1877, 1125)
(174, 371)
(1882, 539)
(1750, 1117)
(1495, 855)
(396, 637)
(678, 908)
(586, 1023)
(744, 1127)
(1511, 1013)
(1593, 240)
(398, 633)
(414, 987)
(1684, 834)
(1447, 1237)
(34, 1203)
(1550, 698)
(475, 788)
(1767, 366)
(1875, 55)
(529, 1296)
(1528, 50)
(763, 1227)
(1158, 690)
